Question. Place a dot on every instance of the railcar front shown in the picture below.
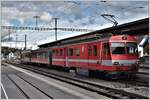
(124, 55)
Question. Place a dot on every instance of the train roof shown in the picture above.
(40, 50)
(26, 51)
(132, 28)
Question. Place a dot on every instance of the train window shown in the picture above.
(61, 52)
(77, 51)
(66, 51)
(56, 52)
(71, 51)
(43, 56)
(118, 48)
(53, 52)
(46, 55)
(38, 55)
(34, 55)
(90, 51)
(106, 48)
(95, 50)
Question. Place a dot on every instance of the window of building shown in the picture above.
(90, 51)
(71, 51)
(95, 50)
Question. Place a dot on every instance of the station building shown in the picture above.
(138, 28)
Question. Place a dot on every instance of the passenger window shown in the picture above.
(61, 52)
(77, 52)
(43, 56)
(106, 48)
(90, 51)
(71, 51)
(46, 55)
(95, 50)
(56, 52)
(53, 52)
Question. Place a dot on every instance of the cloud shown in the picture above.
(73, 14)
(46, 16)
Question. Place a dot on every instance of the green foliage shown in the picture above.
(6, 50)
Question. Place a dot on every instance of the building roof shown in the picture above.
(132, 28)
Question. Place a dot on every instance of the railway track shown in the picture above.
(103, 90)
(134, 81)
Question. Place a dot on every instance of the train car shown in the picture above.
(58, 56)
(40, 56)
(26, 56)
(116, 55)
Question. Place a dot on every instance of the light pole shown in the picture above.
(16, 41)
(56, 28)
(25, 42)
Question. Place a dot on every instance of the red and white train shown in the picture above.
(116, 55)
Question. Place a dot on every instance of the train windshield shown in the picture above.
(131, 48)
(124, 48)
(118, 48)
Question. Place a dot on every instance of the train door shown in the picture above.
(93, 54)
(66, 57)
(50, 56)
(106, 58)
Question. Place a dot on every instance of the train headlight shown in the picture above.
(116, 63)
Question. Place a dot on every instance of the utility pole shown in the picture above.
(16, 42)
(25, 42)
(36, 20)
(55, 28)
(9, 34)
(9, 38)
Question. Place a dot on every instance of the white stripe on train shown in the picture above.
(104, 62)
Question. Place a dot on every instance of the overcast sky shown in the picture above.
(71, 14)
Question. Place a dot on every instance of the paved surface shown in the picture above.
(17, 84)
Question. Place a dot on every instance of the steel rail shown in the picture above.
(19, 88)
(36, 87)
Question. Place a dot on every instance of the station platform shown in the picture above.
(17, 83)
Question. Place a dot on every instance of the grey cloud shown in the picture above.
(74, 14)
